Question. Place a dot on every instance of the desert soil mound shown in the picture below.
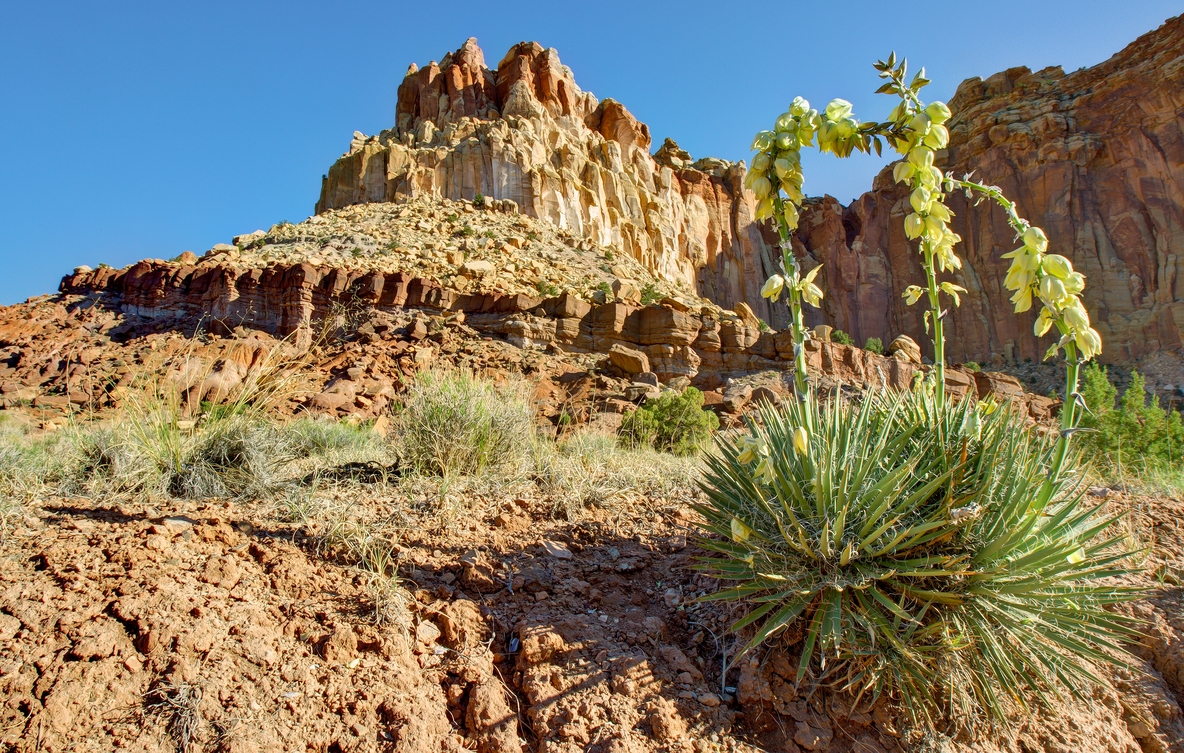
(222, 627)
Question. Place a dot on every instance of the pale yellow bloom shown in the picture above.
(913, 225)
(1052, 289)
(1043, 322)
(740, 532)
(773, 287)
(921, 157)
(799, 106)
(938, 112)
(1022, 299)
(838, 109)
(912, 294)
(953, 290)
(760, 163)
(1057, 266)
(903, 171)
(1034, 238)
(801, 440)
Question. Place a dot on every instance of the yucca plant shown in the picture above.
(904, 539)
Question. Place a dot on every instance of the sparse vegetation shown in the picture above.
(547, 289)
(972, 366)
(650, 294)
(479, 201)
(874, 345)
(455, 424)
(841, 337)
(1132, 436)
(673, 422)
(609, 256)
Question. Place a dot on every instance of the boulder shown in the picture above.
(629, 360)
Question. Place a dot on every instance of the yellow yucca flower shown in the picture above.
(811, 293)
(938, 112)
(913, 225)
(912, 294)
(1025, 258)
(760, 163)
(1022, 299)
(785, 122)
(801, 440)
(903, 171)
(764, 208)
(1090, 343)
(791, 215)
(762, 142)
(940, 211)
(786, 140)
(920, 198)
(1052, 289)
(1043, 322)
(953, 290)
(1075, 283)
(1057, 266)
(1034, 238)
(937, 138)
(799, 106)
(740, 532)
(837, 109)
(773, 287)
(761, 186)
(921, 157)
(1075, 315)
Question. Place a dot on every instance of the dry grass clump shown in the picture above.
(30, 466)
(592, 469)
(455, 424)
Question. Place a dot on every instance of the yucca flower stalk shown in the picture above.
(1051, 279)
(776, 180)
(920, 132)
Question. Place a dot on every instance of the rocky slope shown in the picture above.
(1095, 157)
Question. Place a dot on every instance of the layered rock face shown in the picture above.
(1096, 158)
(526, 133)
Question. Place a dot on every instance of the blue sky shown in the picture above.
(141, 129)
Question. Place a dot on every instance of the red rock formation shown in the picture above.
(528, 134)
(1096, 158)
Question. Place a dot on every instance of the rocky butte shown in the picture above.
(1095, 157)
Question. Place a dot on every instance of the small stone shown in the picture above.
(710, 700)
(557, 550)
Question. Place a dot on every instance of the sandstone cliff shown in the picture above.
(526, 133)
(1095, 157)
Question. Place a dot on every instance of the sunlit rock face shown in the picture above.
(525, 132)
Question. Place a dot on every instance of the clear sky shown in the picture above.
(138, 129)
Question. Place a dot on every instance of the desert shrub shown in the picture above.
(875, 345)
(1132, 433)
(547, 289)
(972, 366)
(673, 422)
(841, 337)
(456, 424)
(479, 201)
(923, 548)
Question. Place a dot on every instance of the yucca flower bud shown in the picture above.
(1057, 266)
(1035, 239)
(1089, 341)
(846, 127)
(785, 122)
(782, 167)
(762, 142)
(1075, 315)
(940, 211)
(764, 209)
(1022, 299)
(761, 186)
(1043, 322)
(752, 448)
(913, 225)
(760, 163)
(938, 112)
(772, 287)
(791, 215)
(903, 171)
(921, 157)
(937, 138)
(801, 440)
(930, 178)
(920, 198)
(1075, 283)
(1052, 289)
(919, 125)
(786, 141)
(837, 109)
(799, 106)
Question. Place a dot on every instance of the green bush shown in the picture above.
(875, 345)
(972, 366)
(454, 424)
(841, 337)
(479, 201)
(1131, 433)
(650, 294)
(673, 422)
(547, 289)
(924, 549)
